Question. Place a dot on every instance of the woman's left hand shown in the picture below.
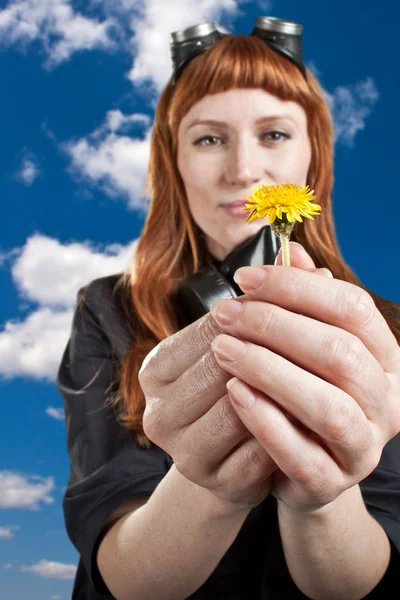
(323, 368)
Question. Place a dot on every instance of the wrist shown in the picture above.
(352, 494)
(229, 508)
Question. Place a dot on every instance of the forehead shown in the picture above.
(242, 104)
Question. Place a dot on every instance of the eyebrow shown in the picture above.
(270, 118)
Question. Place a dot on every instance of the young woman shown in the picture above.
(175, 491)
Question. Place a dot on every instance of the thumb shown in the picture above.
(299, 257)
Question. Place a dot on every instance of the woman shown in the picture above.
(297, 496)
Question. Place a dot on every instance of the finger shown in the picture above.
(249, 463)
(331, 353)
(299, 257)
(331, 301)
(204, 423)
(206, 420)
(300, 457)
(172, 356)
(325, 409)
(230, 446)
(322, 271)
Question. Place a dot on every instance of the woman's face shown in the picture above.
(236, 157)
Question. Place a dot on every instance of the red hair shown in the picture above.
(170, 247)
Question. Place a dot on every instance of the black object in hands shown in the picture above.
(197, 294)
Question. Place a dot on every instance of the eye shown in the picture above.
(205, 137)
(216, 137)
(280, 133)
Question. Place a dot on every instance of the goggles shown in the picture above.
(282, 36)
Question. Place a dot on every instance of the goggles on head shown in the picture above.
(282, 36)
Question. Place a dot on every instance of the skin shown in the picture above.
(320, 376)
(327, 401)
(236, 159)
(343, 363)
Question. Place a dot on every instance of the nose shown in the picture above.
(244, 165)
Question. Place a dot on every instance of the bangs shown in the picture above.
(238, 61)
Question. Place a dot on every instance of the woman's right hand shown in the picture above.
(189, 415)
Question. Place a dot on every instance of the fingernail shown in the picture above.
(277, 256)
(228, 347)
(240, 392)
(226, 311)
(250, 277)
(301, 249)
(327, 272)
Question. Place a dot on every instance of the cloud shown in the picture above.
(28, 171)
(264, 4)
(55, 413)
(7, 533)
(313, 68)
(150, 34)
(8, 256)
(8, 566)
(51, 570)
(18, 492)
(50, 274)
(60, 30)
(33, 347)
(116, 163)
(350, 106)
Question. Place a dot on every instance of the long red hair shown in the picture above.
(170, 247)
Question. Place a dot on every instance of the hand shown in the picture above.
(324, 370)
(188, 413)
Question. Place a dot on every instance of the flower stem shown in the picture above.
(285, 249)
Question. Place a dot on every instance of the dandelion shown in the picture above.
(284, 204)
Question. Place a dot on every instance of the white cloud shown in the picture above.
(7, 533)
(51, 570)
(18, 492)
(8, 256)
(60, 29)
(49, 273)
(115, 121)
(116, 163)
(264, 4)
(55, 413)
(313, 68)
(350, 106)
(34, 347)
(150, 39)
(8, 566)
(55, 597)
(28, 171)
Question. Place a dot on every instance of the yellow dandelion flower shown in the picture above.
(284, 204)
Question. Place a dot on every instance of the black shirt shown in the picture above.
(107, 467)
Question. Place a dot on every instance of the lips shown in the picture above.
(237, 203)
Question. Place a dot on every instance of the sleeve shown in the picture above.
(381, 494)
(106, 466)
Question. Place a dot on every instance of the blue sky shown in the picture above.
(80, 82)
